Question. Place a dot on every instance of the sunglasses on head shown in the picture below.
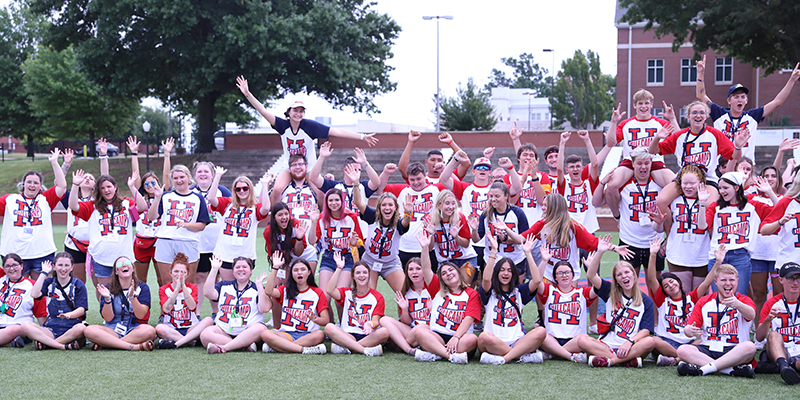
(241, 189)
(483, 167)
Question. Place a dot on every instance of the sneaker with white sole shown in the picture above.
(266, 349)
(336, 349)
(686, 369)
(596, 361)
(536, 357)
(593, 329)
(318, 349)
(743, 371)
(488, 358)
(546, 356)
(458, 358)
(422, 355)
(252, 348)
(790, 376)
(580, 358)
(633, 363)
(665, 361)
(373, 351)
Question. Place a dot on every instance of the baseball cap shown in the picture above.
(736, 177)
(482, 161)
(736, 87)
(298, 103)
(789, 269)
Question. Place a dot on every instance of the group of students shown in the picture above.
(514, 233)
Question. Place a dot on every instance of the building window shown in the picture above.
(655, 71)
(724, 70)
(688, 71)
(657, 111)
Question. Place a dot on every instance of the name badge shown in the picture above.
(716, 346)
(121, 329)
(281, 273)
(236, 322)
(377, 267)
(27, 231)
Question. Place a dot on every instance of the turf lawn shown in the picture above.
(191, 373)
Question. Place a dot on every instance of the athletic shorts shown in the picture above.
(675, 344)
(204, 264)
(713, 354)
(294, 335)
(562, 342)
(167, 249)
(444, 336)
(386, 268)
(58, 331)
(78, 257)
(144, 249)
(655, 166)
(358, 336)
(641, 256)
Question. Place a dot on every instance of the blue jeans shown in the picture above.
(35, 264)
(740, 259)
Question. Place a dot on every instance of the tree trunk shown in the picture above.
(206, 122)
(30, 145)
(91, 146)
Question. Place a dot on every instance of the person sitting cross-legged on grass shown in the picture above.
(778, 325)
(304, 308)
(363, 308)
(242, 305)
(125, 307)
(178, 324)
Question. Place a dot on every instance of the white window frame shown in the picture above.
(692, 70)
(723, 65)
(655, 68)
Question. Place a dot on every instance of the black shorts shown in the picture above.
(641, 256)
(78, 257)
(444, 336)
(713, 354)
(204, 263)
(358, 336)
(562, 342)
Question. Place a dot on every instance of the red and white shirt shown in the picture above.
(565, 313)
(446, 246)
(239, 230)
(733, 227)
(336, 236)
(703, 148)
(297, 314)
(144, 227)
(244, 302)
(20, 305)
(449, 310)
(579, 238)
(359, 311)
(631, 320)
(188, 208)
(672, 315)
(526, 199)
(111, 232)
(634, 132)
(76, 227)
(786, 323)
(687, 245)
(788, 246)
(27, 224)
(281, 237)
(181, 316)
(579, 200)
(301, 199)
(636, 203)
(765, 246)
(723, 326)
(419, 302)
(423, 204)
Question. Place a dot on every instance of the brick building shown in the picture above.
(644, 61)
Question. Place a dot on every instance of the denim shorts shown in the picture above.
(35, 264)
(762, 265)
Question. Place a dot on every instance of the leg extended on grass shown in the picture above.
(344, 339)
(106, 337)
(283, 343)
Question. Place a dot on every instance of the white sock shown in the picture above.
(726, 371)
(709, 368)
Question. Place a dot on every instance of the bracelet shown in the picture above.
(699, 80)
(373, 324)
(106, 301)
(408, 214)
(631, 340)
(275, 269)
(737, 148)
(613, 248)
(103, 156)
(511, 167)
(450, 142)
(134, 153)
(535, 180)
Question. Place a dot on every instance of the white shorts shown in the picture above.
(167, 249)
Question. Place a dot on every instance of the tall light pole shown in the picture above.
(146, 129)
(552, 82)
(437, 18)
(529, 94)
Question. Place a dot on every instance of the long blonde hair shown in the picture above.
(395, 216)
(437, 216)
(251, 198)
(794, 190)
(616, 289)
(558, 224)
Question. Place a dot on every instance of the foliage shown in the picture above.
(527, 75)
(70, 104)
(583, 96)
(188, 53)
(761, 33)
(470, 110)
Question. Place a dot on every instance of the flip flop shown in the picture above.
(147, 346)
(18, 342)
(39, 346)
(96, 347)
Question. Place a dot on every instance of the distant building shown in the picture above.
(11, 144)
(513, 105)
(646, 62)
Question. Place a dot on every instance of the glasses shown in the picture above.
(14, 265)
(298, 164)
(697, 113)
(241, 189)
(150, 183)
(483, 168)
(563, 273)
(793, 278)
(124, 263)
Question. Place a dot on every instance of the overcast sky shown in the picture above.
(473, 43)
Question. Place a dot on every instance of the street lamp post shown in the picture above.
(146, 128)
(552, 82)
(529, 94)
(437, 18)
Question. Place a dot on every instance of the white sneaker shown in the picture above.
(536, 357)
(373, 351)
(580, 358)
(487, 358)
(760, 344)
(546, 355)
(665, 361)
(318, 349)
(593, 329)
(336, 349)
(422, 355)
(458, 358)
(252, 348)
(266, 349)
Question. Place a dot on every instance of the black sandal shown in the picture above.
(72, 346)
(39, 346)
(18, 342)
(96, 347)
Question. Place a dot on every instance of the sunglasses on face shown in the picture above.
(241, 189)
(124, 263)
(151, 183)
(483, 168)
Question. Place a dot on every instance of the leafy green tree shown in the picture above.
(19, 33)
(527, 75)
(71, 105)
(159, 126)
(761, 33)
(470, 110)
(188, 53)
(583, 96)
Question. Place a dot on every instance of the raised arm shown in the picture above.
(152, 212)
(69, 155)
(513, 177)
(370, 138)
(312, 234)
(405, 158)
(651, 275)
(212, 191)
(167, 146)
(661, 134)
(60, 180)
(374, 178)
(331, 289)
(515, 135)
(133, 147)
(277, 264)
(594, 167)
(77, 179)
(784, 93)
(141, 204)
(536, 276)
(560, 159)
(314, 176)
(425, 255)
(616, 116)
(700, 88)
(702, 202)
(102, 149)
(358, 201)
(388, 170)
(593, 262)
(264, 197)
(786, 145)
(486, 282)
(446, 177)
(241, 83)
(208, 287)
(264, 301)
(463, 162)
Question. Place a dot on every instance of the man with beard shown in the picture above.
(779, 325)
(722, 320)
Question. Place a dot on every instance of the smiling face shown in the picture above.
(387, 208)
(624, 277)
(361, 276)
(727, 191)
(297, 114)
(242, 190)
(179, 271)
(574, 170)
(552, 160)
(482, 173)
(203, 175)
(13, 269)
(32, 185)
(563, 274)
(737, 102)
(108, 190)
(150, 185)
(528, 156)
(415, 274)
(498, 199)
(727, 284)
(449, 206)
(689, 184)
(242, 271)
(282, 218)
(334, 202)
(417, 182)
(298, 169)
(124, 269)
(450, 277)
(697, 117)
(62, 267)
(643, 108)
(671, 287)
(505, 275)
(180, 180)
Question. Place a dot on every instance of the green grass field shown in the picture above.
(191, 373)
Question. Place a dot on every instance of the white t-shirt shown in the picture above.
(28, 225)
